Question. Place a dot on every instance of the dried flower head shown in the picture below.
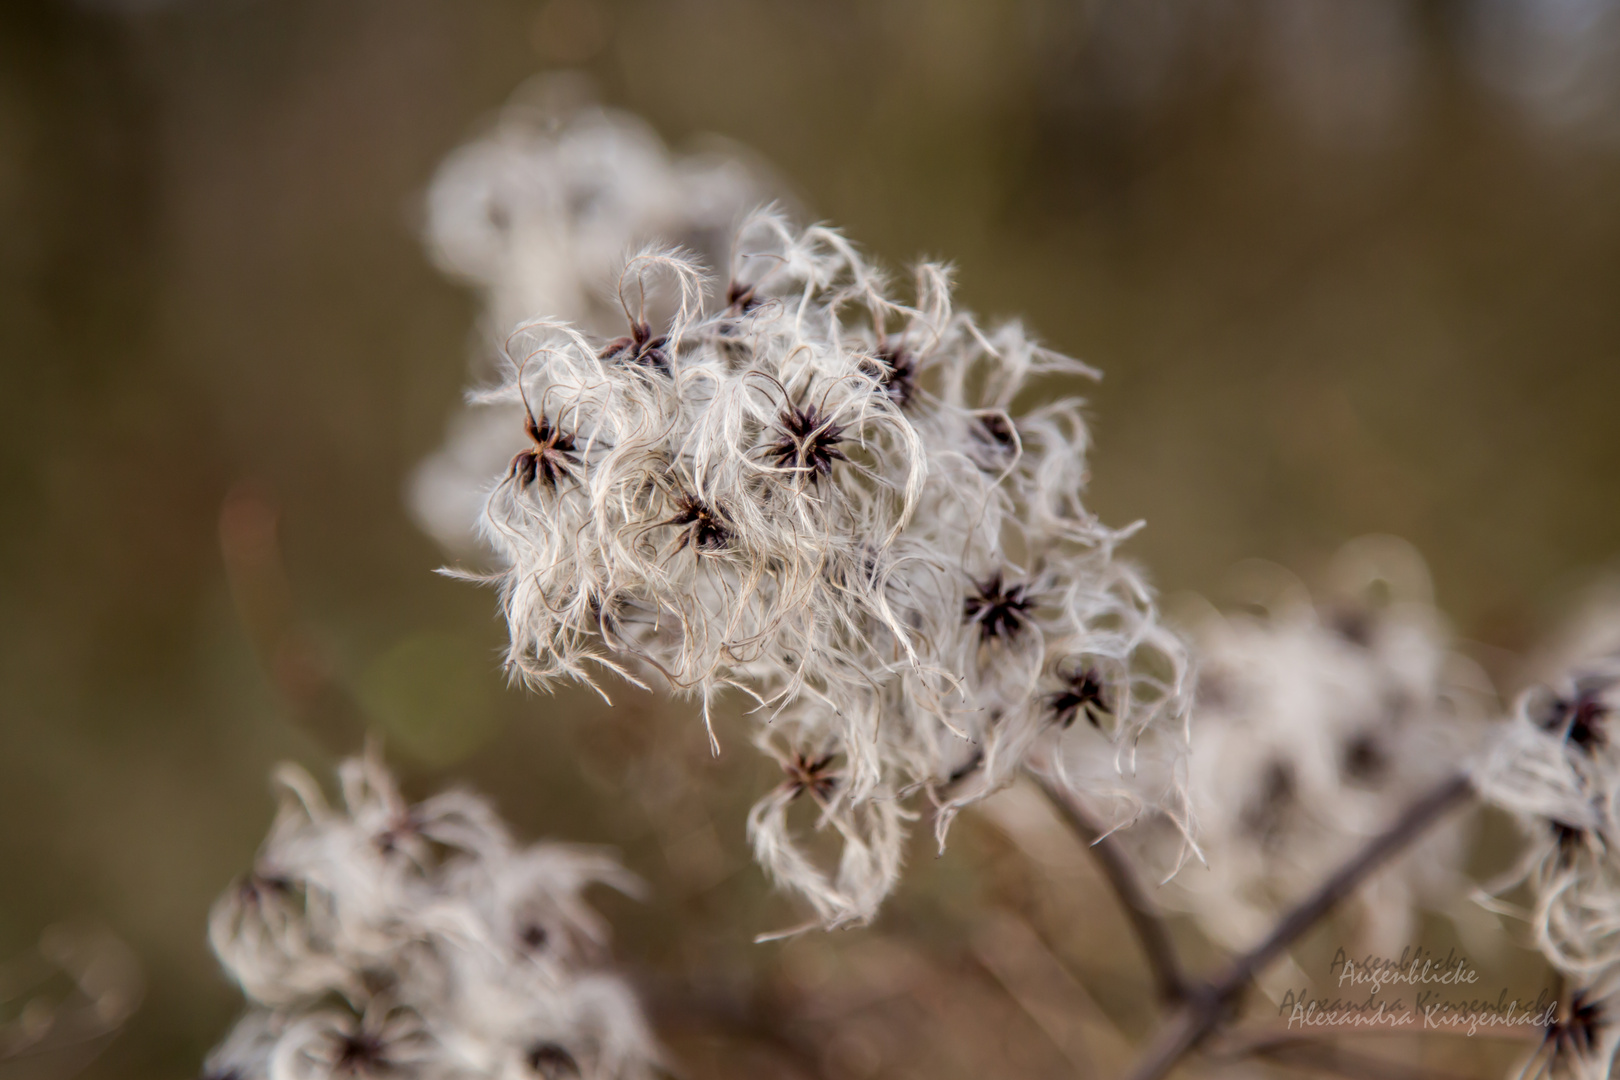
(1082, 694)
(818, 495)
(807, 442)
(997, 609)
(389, 939)
(552, 457)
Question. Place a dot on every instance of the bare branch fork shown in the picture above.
(1144, 915)
(1205, 1005)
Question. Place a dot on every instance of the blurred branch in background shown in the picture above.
(1212, 1004)
(301, 674)
(1012, 951)
(1152, 933)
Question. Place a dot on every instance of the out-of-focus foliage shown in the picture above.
(1347, 267)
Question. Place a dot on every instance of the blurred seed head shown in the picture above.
(381, 937)
(1315, 721)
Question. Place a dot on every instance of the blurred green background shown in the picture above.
(1350, 266)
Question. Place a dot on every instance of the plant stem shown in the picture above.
(1144, 915)
(1207, 1006)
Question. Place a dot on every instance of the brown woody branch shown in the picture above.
(1145, 917)
(1207, 1006)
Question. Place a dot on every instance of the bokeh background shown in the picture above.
(1350, 266)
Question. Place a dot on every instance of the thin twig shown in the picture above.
(1207, 1006)
(1144, 915)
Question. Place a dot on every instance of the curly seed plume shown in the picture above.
(819, 494)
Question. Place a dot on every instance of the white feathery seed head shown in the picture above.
(807, 486)
(386, 938)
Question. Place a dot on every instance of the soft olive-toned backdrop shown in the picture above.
(1349, 267)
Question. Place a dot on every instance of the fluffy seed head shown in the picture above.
(387, 939)
(810, 486)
